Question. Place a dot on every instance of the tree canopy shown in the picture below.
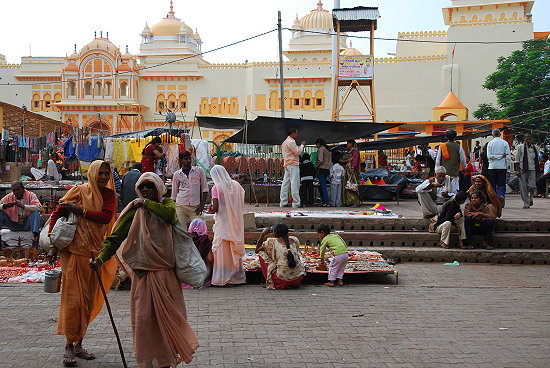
(522, 86)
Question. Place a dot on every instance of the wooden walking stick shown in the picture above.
(110, 313)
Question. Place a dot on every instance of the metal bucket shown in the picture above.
(52, 281)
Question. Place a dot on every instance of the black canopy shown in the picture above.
(213, 122)
(382, 144)
(272, 130)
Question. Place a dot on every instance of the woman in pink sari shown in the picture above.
(142, 241)
(228, 244)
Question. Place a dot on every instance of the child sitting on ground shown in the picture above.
(338, 247)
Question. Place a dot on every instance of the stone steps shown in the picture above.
(392, 224)
(420, 239)
(438, 254)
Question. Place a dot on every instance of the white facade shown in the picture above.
(134, 90)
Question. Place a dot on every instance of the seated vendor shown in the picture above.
(280, 259)
(434, 192)
(20, 211)
(479, 217)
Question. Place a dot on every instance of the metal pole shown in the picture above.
(335, 53)
(281, 79)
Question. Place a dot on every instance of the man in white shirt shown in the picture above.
(291, 179)
(189, 190)
(527, 162)
(434, 192)
(498, 154)
(541, 181)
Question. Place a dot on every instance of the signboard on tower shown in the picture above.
(356, 67)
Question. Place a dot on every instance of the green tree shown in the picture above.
(522, 86)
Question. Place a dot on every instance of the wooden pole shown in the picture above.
(335, 92)
(110, 313)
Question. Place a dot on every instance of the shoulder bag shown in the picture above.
(190, 267)
(63, 231)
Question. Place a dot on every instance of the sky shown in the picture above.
(51, 28)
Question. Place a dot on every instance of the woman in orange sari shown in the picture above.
(480, 182)
(81, 299)
(142, 241)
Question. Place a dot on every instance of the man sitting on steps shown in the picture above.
(20, 211)
(434, 192)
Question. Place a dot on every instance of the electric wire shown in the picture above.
(147, 67)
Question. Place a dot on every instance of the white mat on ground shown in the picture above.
(327, 214)
(12, 237)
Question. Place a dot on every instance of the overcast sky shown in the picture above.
(51, 28)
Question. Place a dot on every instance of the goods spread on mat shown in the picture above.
(17, 265)
(370, 213)
(359, 261)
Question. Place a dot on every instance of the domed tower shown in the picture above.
(169, 35)
(316, 44)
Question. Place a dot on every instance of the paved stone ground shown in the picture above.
(410, 208)
(438, 316)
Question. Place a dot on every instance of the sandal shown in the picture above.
(68, 360)
(329, 284)
(443, 245)
(84, 354)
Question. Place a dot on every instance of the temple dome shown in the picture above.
(317, 19)
(100, 43)
(170, 26)
(351, 51)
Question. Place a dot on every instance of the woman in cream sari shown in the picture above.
(228, 243)
(142, 235)
(81, 300)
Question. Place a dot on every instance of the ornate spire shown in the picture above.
(75, 47)
(171, 14)
(319, 5)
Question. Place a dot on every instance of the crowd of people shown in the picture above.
(338, 174)
(137, 241)
(442, 198)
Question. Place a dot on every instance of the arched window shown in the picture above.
(296, 100)
(123, 89)
(183, 102)
(308, 103)
(97, 89)
(161, 102)
(214, 107)
(319, 100)
(47, 102)
(36, 103)
(108, 89)
(287, 100)
(205, 107)
(274, 101)
(88, 88)
(71, 89)
(224, 107)
(172, 103)
(234, 106)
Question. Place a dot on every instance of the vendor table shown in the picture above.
(364, 188)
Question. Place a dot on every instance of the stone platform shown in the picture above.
(521, 236)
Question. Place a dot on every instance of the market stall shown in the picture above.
(360, 262)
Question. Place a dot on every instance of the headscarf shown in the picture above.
(199, 233)
(90, 235)
(198, 226)
(148, 245)
(490, 196)
(229, 225)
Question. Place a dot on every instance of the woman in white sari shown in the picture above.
(228, 243)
